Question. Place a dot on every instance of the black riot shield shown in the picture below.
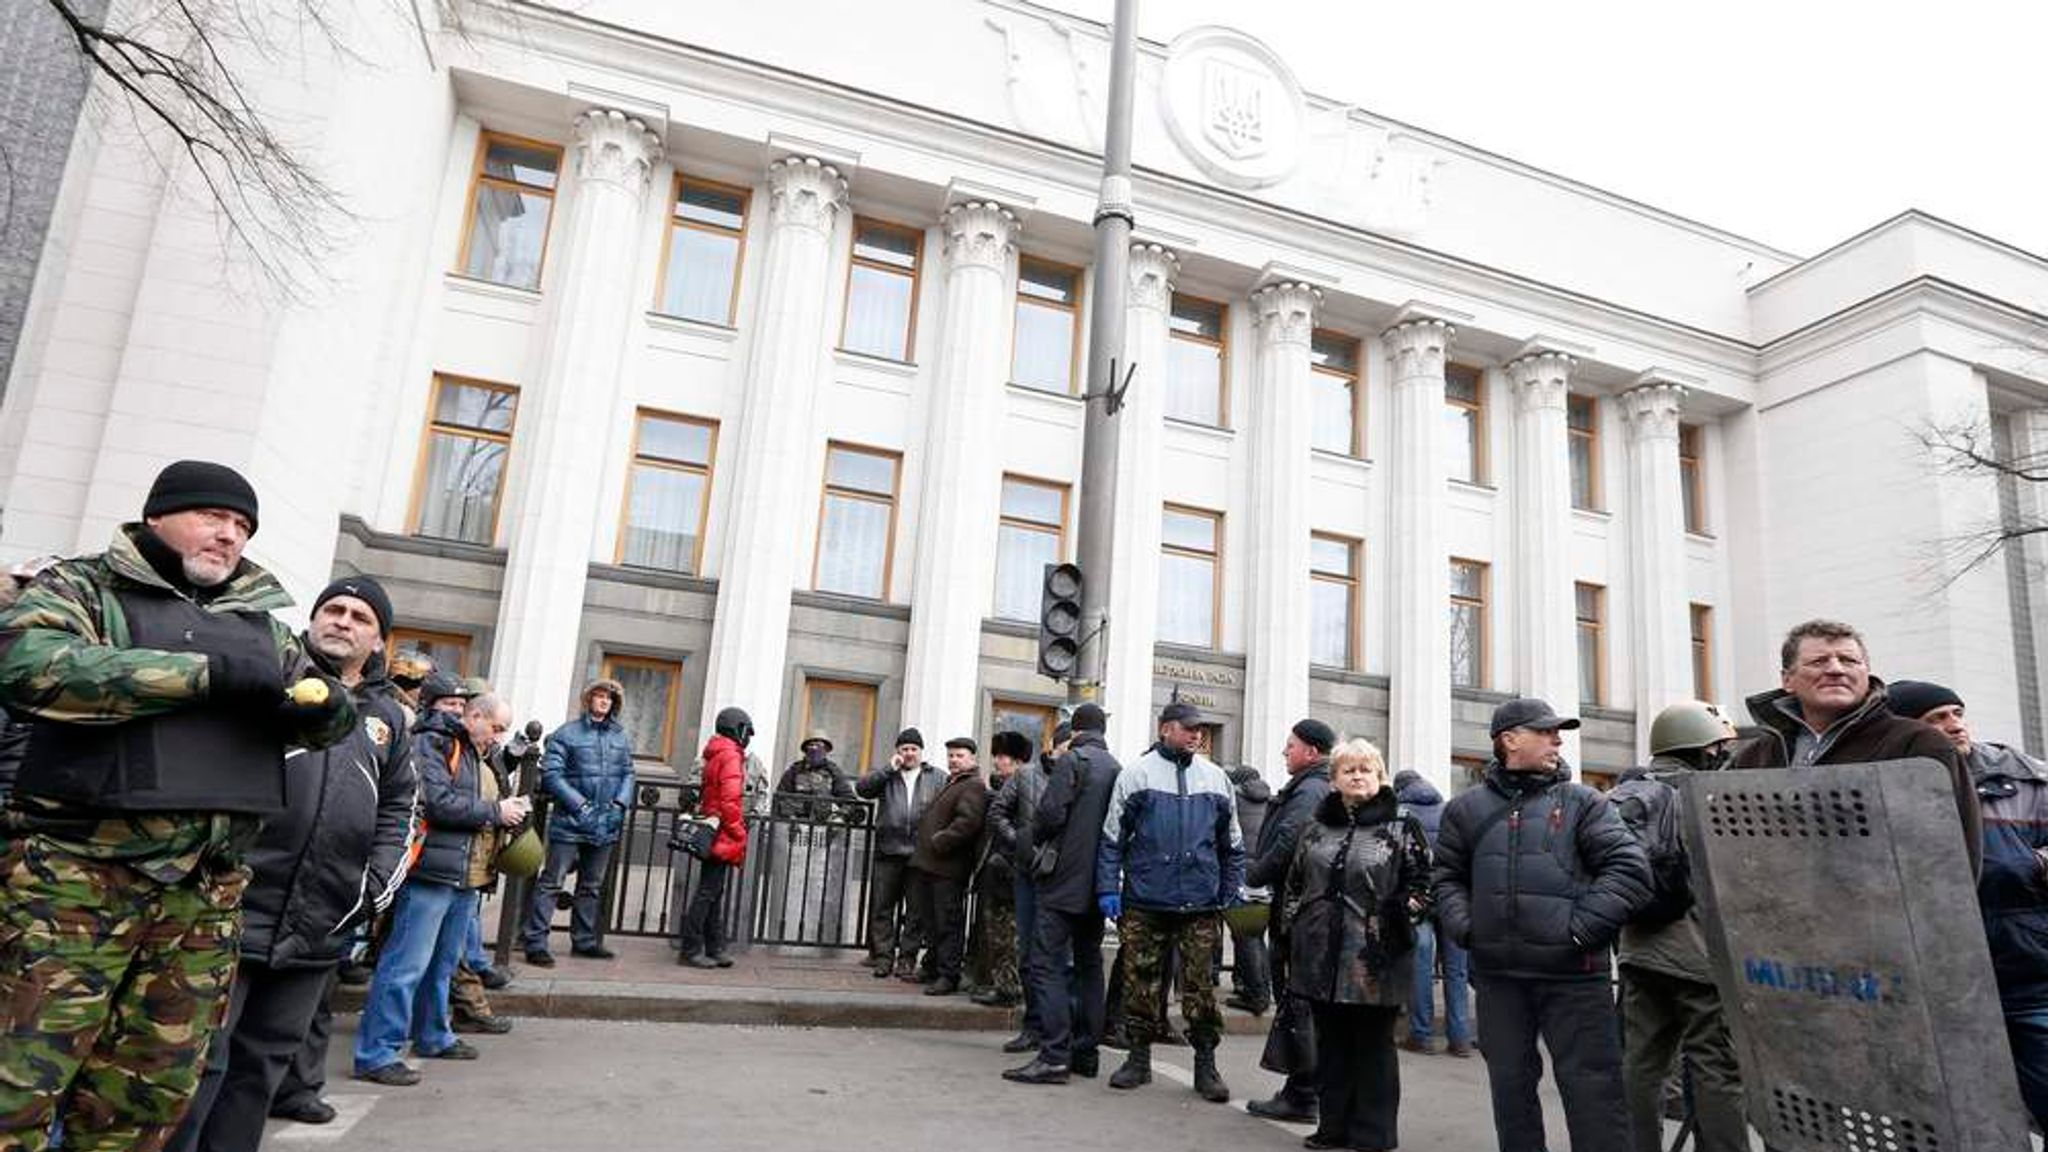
(1842, 922)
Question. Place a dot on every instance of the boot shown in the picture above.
(1137, 1067)
(1209, 1082)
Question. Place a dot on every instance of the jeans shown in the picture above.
(704, 921)
(1422, 1007)
(473, 953)
(590, 862)
(409, 994)
(1251, 969)
(1576, 1021)
(2028, 1034)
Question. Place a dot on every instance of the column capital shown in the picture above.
(1541, 379)
(1652, 410)
(805, 192)
(979, 234)
(1285, 312)
(616, 149)
(1153, 268)
(1416, 349)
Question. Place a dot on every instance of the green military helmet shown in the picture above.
(522, 856)
(1688, 726)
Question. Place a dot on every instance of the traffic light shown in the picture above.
(1059, 621)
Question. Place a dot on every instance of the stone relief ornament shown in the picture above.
(1233, 107)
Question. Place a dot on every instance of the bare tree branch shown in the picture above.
(1970, 449)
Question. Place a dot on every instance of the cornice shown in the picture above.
(1928, 295)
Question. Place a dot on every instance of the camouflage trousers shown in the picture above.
(111, 988)
(1147, 938)
(466, 994)
(999, 944)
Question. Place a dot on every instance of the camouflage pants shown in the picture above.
(999, 945)
(111, 987)
(466, 994)
(1147, 938)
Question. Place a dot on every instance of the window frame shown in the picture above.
(1222, 346)
(1354, 380)
(870, 693)
(1700, 620)
(461, 640)
(916, 274)
(1692, 451)
(1075, 382)
(825, 491)
(607, 668)
(1003, 520)
(1596, 495)
(1355, 548)
(478, 177)
(1483, 603)
(419, 469)
(675, 221)
(1216, 562)
(1050, 713)
(1597, 624)
(708, 471)
(1482, 464)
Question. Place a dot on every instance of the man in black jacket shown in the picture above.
(1535, 875)
(1066, 832)
(335, 856)
(1291, 1042)
(902, 792)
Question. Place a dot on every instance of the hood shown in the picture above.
(250, 589)
(605, 684)
(1418, 793)
(1995, 761)
(1378, 808)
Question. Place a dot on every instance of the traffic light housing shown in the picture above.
(1059, 621)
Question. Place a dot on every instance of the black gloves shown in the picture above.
(294, 717)
(233, 679)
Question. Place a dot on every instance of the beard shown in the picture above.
(205, 571)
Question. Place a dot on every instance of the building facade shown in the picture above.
(747, 370)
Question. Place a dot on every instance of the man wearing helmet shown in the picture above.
(1668, 1001)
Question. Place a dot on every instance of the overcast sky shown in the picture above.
(1795, 122)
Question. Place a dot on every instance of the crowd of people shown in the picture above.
(212, 820)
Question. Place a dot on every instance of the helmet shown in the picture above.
(522, 855)
(1249, 919)
(735, 725)
(1688, 726)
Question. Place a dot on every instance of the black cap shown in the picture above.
(190, 484)
(440, 686)
(1531, 713)
(362, 588)
(1015, 745)
(1315, 734)
(910, 736)
(966, 742)
(1916, 698)
(1180, 712)
(1090, 718)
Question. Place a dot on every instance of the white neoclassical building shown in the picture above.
(745, 367)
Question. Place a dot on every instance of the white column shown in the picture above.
(1134, 578)
(1657, 584)
(2030, 443)
(563, 426)
(1419, 704)
(770, 455)
(954, 580)
(1276, 633)
(1546, 620)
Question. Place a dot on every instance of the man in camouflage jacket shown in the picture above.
(153, 676)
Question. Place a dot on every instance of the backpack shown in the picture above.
(1655, 825)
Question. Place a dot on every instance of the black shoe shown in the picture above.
(1116, 1037)
(353, 975)
(495, 978)
(720, 960)
(1318, 1140)
(305, 1112)
(1246, 1004)
(482, 1025)
(460, 1050)
(1283, 1109)
(992, 998)
(1037, 1072)
(540, 958)
(1086, 1065)
(1136, 1070)
(1021, 1042)
(392, 1075)
(700, 960)
(882, 968)
(594, 952)
(1209, 1083)
(943, 986)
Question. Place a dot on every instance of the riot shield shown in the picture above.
(1841, 919)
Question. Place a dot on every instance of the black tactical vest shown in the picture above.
(201, 758)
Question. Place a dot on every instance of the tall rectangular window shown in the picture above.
(668, 493)
(1468, 623)
(462, 466)
(845, 712)
(707, 231)
(1035, 721)
(1048, 326)
(1582, 420)
(881, 290)
(1195, 378)
(449, 651)
(1333, 601)
(857, 526)
(1702, 651)
(1689, 478)
(651, 688)
(511, 197)
(1591, 601)
(1339, 401)
(1032, 534)
(1465, 423)
(1191, 544)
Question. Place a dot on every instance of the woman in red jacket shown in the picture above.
(725, 776)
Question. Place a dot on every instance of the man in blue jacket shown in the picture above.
(588, 773)
(1171, 859)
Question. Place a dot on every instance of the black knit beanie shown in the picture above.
(1315, 734)
(1916, 698)
(910, 736)
(362, 588)
(190, 484)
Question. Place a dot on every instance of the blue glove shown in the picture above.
(1112, 905)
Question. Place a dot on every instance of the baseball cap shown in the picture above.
(1531, 713)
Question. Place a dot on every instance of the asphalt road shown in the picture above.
(601, 1086)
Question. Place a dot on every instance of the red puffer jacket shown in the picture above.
(725, 777)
